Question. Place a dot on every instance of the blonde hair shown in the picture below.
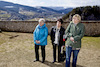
(78, 17)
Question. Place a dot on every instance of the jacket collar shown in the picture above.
(73, 23)
(60, 28)
(41, 26)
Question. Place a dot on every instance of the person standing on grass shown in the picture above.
(74, 32)
(56, 35)
(40, 39)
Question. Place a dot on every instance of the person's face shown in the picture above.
(41, 23)
(58, 24)
(75, 20)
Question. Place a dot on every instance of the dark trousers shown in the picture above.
(42, 52)
(54, 52)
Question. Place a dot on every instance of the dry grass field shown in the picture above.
(17, 50)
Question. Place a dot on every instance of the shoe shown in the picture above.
(53, 61)
(59, 61)
(43, 61)
(36, 60)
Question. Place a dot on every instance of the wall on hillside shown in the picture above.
(92, 27)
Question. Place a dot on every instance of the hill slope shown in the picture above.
(86, 13)
(22, 12)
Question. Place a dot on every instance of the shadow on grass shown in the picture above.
(11, 37)
(62, 64)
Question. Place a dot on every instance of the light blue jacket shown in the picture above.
(40, 33)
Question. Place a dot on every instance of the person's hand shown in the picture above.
(71, 38)
(63, 46)
(37, 41)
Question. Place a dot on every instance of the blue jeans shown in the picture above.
(68, 55)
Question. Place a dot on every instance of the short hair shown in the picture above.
(41, 20)
(78, 16)
(60, 20)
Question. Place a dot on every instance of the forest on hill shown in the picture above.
(86, 13)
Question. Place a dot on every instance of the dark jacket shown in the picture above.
(52, 35)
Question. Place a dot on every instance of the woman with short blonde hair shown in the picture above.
(74, 32)
(78, 17)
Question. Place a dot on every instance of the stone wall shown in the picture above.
(92, 27)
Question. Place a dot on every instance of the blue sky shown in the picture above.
(64, 3)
